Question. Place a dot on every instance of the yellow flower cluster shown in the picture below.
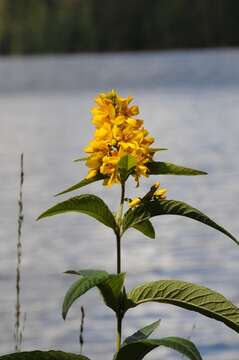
(117, 133)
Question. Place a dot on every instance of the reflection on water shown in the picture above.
(190, 103)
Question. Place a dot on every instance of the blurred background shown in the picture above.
(72, 26)
(179, 59)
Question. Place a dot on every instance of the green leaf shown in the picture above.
(189, 296)
(43, 355)
(173, 207)
(146, 228)
(82, 159)
(126, 165)
(85, 272)
(154, 150)
(164, 168)
(111, 290)
(143, 333)
(138, 350)
(80, 287)
(127, 162)
(87, 204)
(135, 216)
(82, 183)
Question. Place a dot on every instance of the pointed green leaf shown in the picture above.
(87, 204)
(43, 355)
(135, 216)
(85, 272)
(143, 333)
(82, 183)
(154, 150)
(127, 162)
(80, 287)
(138, 350)
(82, 159)
(146, 228)
(126, 166)
(189, 296)
(173, 207)
(164, 168)
(111, 290)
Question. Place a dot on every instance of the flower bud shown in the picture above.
(160, 194)
(134, 202)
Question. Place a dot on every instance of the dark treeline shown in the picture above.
(62, 26)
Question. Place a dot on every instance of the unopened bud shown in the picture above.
(135, 202)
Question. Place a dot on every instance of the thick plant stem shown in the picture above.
(122, 194)
(118, 234)
(118, 336)
(118, 241)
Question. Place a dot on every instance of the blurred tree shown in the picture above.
(58, 26)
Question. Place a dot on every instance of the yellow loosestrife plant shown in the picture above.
(122, 148)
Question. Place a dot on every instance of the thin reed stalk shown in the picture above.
(81, 338)
(18, 330)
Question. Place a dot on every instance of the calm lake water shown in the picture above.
(190, 103)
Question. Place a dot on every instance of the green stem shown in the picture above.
(119, 220)
(121, 207)
(118, 336)
(118, 242)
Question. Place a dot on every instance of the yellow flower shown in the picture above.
(134, 202)
(155, 193)
(117, 133)
(91, 174)
(160, 193)
(157, 185)
(108, 165)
